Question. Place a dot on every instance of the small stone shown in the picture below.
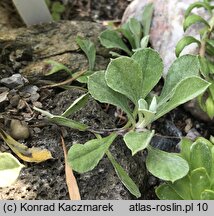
(14, 81)
(4, 89)
(19, 130)
(188, 125)
(3, 97)
(193, 134)
(14, 101)
(152, 181)
(31, 92)
(37, 130)
(21, 105)
(37, 104)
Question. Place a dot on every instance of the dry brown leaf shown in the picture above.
(23, 152)
(73, 188)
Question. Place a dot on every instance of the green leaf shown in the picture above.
(60, 120)
(68, 123)
(83, 158)
(152, 68)
(148, 114)
(111, 39)
(178, 71)
(123, 176)
(142, 105)
(210, 107)
(10, 168)
(56, 67)
(57, 7)
(137, 141)
(125, 30)
(185, 148)
(136, 29)
(144, 42)
(76, 105)
(165, 192)
(192, 19)
(89, 49)
(197, 5)
(211, 66)
(166, 166)
(100, 91)
(147, 18)
(200, 156)
(212, 171)
(199, 181)
(207, 195)
(118, 75)
(185, 41)
(211, 43)
(209, 49)
(186, 90)
(204, 66)
(83, 78)
(182, 187)
(56, 16)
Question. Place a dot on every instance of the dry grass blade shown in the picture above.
(70, 178)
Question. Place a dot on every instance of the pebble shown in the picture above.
(21, 104)
(13, 81)
(193, 134)
(14, 100)
(3, 97)
(19, 129)
(4, 89)
(31, 91)
(37, 104)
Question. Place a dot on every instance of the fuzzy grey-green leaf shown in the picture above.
(166, 166)
(89, 49)
(152, 68)
(76, 105)
(199, 181)
(179, 70)
(126, 180)
(137, 141)
(165, 192)
(200, 156)
(10, 168)
(100, 91)
(111, 39)
(83, 158)
(186, 90)
(118, 77)
(147, 18)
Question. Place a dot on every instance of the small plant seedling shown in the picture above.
(115, 87)
(88, 47)
(56, 9)
(135, 32)
(206, 50)
(199, 183)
